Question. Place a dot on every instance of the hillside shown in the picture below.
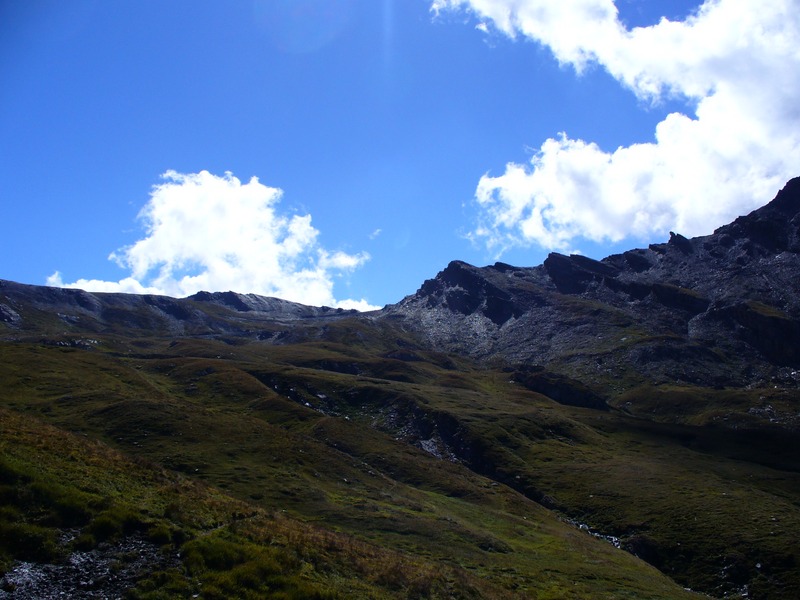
(623, 428)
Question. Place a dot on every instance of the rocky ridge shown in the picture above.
(721, 309)
(26, 309)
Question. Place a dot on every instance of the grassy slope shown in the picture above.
(52, 480)
(234, 417)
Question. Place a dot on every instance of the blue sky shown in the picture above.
(387, 137)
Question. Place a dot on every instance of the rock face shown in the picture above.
(721, 309)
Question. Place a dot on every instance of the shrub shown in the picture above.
(212, 553)
(160, 534)
(161, 585)
(29, 542)
(115, 522)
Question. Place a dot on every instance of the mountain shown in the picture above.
(618, 428)
(722, 309)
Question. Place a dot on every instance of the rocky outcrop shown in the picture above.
(728, 300)
(574, 274)
(463, 289)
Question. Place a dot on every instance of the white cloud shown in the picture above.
(204, 232)
(737, 62)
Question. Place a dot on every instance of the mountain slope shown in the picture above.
(650, 399)
(722, 309)
(243, 425)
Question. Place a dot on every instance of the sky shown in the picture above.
(340, 152)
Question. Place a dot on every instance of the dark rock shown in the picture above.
(773, 227)
(771, 332)
(505, 268)
(464, 289)
(680, 242)
(680, 298)
(637, 260)
(571, 274)
(691, 299)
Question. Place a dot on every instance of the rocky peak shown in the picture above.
(572, 274)
(774, 227)
(729, 300)
(465, 289)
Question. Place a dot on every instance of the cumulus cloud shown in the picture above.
(736, 63)
(206, 232)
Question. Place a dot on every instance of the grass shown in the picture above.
(228, 548)
(297, 469)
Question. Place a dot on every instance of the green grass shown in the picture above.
(199, 444)
(228, 548)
